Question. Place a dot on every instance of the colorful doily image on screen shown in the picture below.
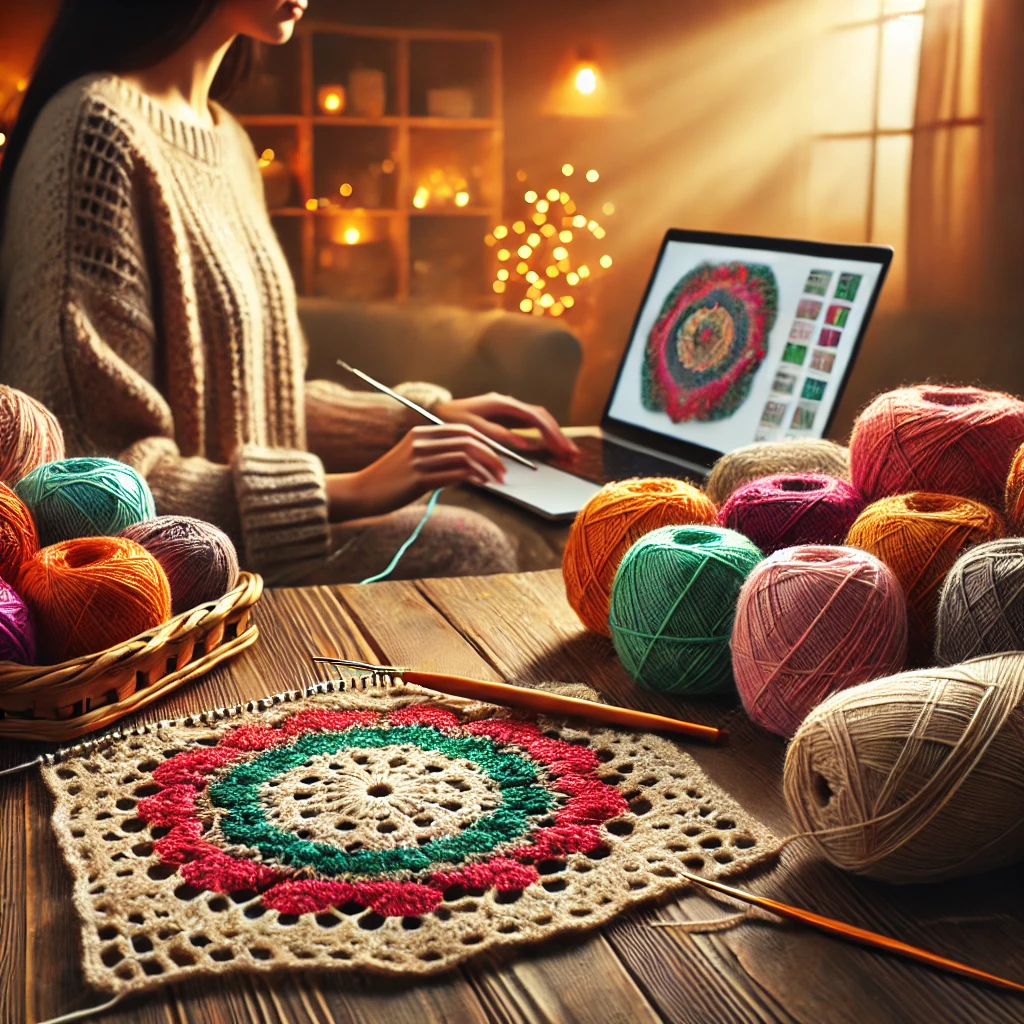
(382, 830)
(709, 340)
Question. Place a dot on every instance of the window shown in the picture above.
(869, 115)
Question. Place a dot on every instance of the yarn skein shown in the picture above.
(672, 607)
(981, 607)
(605, 528)
(915, 777)
(85, 497)
(948, 440)
(792, 508)
(810, 621)
(92, 593)
(769, 458)
(17, 630)
(18, 537)
(1014, 496)
(29, 435)
(198, 559)
(919, 536)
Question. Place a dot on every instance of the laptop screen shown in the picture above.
(736, 343)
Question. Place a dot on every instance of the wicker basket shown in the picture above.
(62, 702)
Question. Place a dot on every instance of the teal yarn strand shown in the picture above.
(85, 497)
(673, 602)
(393, 565)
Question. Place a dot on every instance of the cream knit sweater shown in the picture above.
(147, 302)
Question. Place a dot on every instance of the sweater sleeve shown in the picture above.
(350, 429)
(102, 372)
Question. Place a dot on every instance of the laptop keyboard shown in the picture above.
(602, 461)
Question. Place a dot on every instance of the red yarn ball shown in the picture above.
(810, 621)
(792, 508)
(92, 593)
(18, 537)
(945, 440)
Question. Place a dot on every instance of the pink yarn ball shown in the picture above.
(792, 508)
(810, 621)
(17, 630)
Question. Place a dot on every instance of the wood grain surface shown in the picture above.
(521, 628)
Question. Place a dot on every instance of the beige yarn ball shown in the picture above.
(916, 777)
(769, 458)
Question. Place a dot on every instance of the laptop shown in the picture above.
(738, 339)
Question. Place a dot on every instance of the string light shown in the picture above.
(312, 204)
(551, 242)
(352, 236)
(345, 190)
(586, 80)
(462, 199)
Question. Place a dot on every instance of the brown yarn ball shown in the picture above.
(608, 525)
(770, 458)
(919, 536)
(981, 609)
(30, 435)
(92, 593)
(915, 777)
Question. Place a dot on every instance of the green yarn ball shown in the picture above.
(673, 602)
(88, 497)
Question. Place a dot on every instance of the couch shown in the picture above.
(469, 352)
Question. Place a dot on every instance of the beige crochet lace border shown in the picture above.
(381, 829)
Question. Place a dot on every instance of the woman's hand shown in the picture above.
(487, 413)
(427, 458)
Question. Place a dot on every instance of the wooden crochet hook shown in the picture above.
(851, 933)
(538, 701)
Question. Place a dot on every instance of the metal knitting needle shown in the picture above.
(410, 404)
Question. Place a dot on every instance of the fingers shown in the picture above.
(537, 416)
(454, 467)
(463, 441)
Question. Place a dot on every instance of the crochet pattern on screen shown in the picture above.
(709, 340)
(381, 830)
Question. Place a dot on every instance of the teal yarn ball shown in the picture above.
(87, 497)
(673, 602)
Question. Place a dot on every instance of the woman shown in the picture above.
(146, 301)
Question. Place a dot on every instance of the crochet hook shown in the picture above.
(410, 404)
(538, 701)
(850, 933)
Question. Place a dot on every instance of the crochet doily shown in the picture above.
(384, 829)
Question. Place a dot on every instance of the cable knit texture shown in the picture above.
(147, 302)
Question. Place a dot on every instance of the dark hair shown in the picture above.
(116, 36)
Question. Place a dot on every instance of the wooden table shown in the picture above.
(519, 627)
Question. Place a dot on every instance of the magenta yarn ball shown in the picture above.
(812, 620)
(792, 508)
(199, 559)
(17, 629)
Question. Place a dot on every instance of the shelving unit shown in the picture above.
(398, 231)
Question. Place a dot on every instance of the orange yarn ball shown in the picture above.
(920, 536)
(92, 593)
(19, 539)
(609, 524)
(29, 435)
(1015, 494)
